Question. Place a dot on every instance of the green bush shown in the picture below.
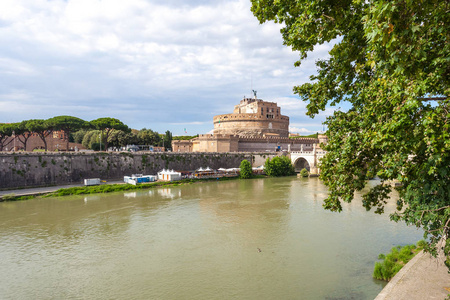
(304, 173)
(279, 166)
(96, 146)
(246, 169)
(395, 260)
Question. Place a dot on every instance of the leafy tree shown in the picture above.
(390, 59)
(245, 169)
(148, 137)
(119, 138)
(107, 126)
(67, 124)
(168, 140)
(91, 137)
(279, 166)
(42, 128)
(79, 135)
(6, 131)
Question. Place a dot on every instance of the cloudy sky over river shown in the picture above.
(159, 64)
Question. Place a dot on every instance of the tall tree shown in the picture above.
(168, 140)
(6, 132)
(391, 61)
(42, 128)
(107, 125)
(23, 133)
(90, 138)
(67, 124)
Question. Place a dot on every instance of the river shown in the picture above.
(241, 239)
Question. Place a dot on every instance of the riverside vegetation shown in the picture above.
(395, 260)
(304, 173)
(278, 166)
(246, 170)
(108, 188)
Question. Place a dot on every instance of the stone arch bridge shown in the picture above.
(307, 160)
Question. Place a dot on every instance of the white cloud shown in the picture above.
(11, 66)
(144, 62)
(188, 123)
(298, 130)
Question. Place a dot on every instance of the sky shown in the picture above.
(158, 64)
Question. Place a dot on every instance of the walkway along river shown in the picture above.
(242, 239)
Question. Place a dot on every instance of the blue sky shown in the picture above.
(159, 64)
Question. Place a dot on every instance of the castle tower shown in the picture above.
(253, 117)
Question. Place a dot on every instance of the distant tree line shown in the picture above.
(184, 137)
(314, 136)
(98, 134)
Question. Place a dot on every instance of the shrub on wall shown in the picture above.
(279, 166)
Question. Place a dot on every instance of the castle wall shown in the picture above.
(215, 143)
(250, 144)
(182, 146)
(41, 169)
(229, 143)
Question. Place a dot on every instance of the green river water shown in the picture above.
(241, 239)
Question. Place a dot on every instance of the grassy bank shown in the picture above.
(109, 188)
(12, 197)
(395, 260)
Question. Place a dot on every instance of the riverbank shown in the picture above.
(108, 187)
(423, 277)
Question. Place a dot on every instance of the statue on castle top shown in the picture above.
(254, 93)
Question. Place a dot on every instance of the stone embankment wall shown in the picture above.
(41, 169)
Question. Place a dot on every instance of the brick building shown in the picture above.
(56, 141)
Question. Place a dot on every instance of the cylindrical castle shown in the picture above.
(253, 118)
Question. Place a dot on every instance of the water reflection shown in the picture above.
(263, 238)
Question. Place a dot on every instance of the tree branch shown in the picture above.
(433, 98)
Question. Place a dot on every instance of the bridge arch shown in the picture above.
(301, 163)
